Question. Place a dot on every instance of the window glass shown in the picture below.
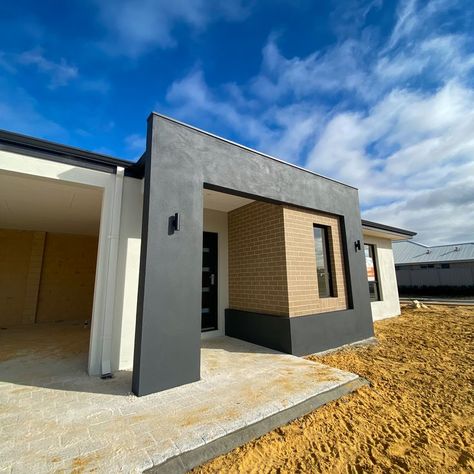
(323, 261)
(372, 274)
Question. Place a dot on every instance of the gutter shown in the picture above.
(111, 277)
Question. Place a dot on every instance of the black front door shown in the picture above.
(209, 282)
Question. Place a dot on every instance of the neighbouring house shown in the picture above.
(200, 237)
(440, 270)
(378, 238)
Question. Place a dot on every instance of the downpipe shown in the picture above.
(111, 278)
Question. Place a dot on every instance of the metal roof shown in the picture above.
(406, 252)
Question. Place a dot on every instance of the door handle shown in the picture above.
(212, 279)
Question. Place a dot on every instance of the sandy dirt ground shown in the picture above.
(416, 416)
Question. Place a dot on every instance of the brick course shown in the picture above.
(257, 261)
(303, 295)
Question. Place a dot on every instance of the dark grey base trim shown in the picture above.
(190, 459)
(263, 329)
(301, 335)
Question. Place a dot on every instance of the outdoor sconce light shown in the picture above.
(176, 221)
(357, 245)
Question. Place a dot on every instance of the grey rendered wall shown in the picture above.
(181, 160)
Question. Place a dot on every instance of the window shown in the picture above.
(372, 272)
(323, 261)
(445, 265)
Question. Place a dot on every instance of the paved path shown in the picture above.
(54, 418)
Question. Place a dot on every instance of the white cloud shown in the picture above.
(412, 158)
(60, 73)
(282, 131)
(339, 68)
(401, 129)
(137, 26)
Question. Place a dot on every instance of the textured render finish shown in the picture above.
(55, 418)
(389, 305)
(301, 263)
(180, 161)
(257, 262)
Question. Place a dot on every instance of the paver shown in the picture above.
(53, 421)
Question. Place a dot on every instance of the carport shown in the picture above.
(60, 226)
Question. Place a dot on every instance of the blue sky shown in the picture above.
(378, 94)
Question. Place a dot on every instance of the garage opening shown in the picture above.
(48, 252)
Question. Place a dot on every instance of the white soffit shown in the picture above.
(223, 202)
(34, 203)
(383, 234)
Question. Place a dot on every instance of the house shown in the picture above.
(261, 249)
(382, 280)
(440, 270)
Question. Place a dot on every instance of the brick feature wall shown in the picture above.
(303, 291)
(257, 262)
(272, 261)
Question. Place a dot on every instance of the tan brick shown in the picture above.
(272, 261)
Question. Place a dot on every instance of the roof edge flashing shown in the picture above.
(17, 143)
(395, 230)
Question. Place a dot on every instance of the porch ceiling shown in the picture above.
(33, 203)
(222, 202)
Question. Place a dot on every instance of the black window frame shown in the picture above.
(328, 264)
(374, 286)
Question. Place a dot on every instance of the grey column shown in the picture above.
(168, 334)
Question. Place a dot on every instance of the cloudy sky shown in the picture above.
(378, 94)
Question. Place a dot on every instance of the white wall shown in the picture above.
(128, 267)
(125, 311)
(216, 221)
(389, 305)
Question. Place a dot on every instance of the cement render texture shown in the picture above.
(55, 418)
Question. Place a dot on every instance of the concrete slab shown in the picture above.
(53, 417)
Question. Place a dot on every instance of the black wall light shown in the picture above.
(357, 245)
(176, 221)
(173, 224)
